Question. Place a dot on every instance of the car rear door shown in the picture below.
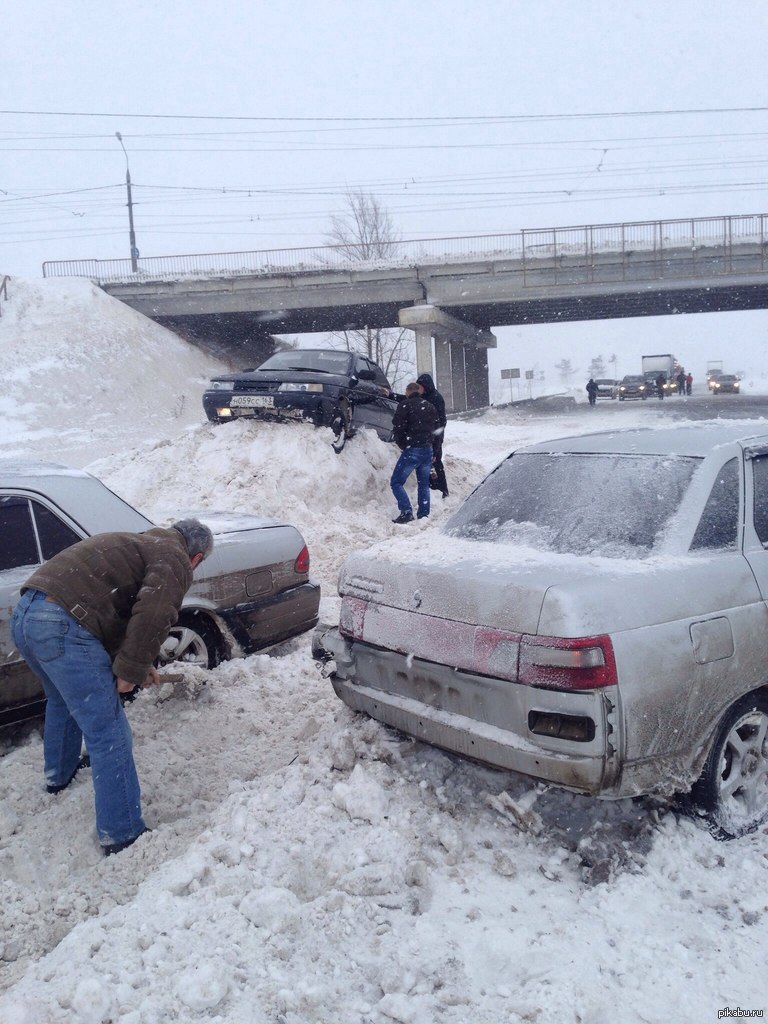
(756, 513)
(30, 533)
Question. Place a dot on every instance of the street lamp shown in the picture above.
(131, 232)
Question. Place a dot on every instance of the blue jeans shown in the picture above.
(76, 673)
(419, 459)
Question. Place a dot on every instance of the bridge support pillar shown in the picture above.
(460, 367)
(423, 334)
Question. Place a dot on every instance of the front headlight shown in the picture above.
(301, 387)
(218, 385)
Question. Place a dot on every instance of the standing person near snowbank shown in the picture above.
(90, 624)
(414, 425)
(430, 392)
(592, 390)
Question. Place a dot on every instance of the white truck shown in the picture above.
(662, 363)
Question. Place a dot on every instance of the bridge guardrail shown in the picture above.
(594, 252)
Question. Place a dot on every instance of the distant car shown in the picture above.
(712, 378)
(634, 386)
(725, 383)
(331, 388)
(251, 592)
(607, 388)
(593, 616)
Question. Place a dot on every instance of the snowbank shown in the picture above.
(306, 864)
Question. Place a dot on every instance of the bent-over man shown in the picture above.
(90, 624)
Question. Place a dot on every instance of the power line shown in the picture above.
(475, 118)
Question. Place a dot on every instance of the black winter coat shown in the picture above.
(433, 395)
(414, 423)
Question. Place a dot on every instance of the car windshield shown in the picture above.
(634, 380)
(611, 505)
(309, 359)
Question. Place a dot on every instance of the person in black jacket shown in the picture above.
(592, 390)
(414, 425)
(429, 391)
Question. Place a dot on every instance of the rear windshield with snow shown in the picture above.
(610, 505)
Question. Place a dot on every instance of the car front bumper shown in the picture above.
(294, 405)
(487, 719)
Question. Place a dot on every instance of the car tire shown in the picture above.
(732, 790)
(194, 640)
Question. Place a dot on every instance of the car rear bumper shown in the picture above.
(487, 719)
(259, 624)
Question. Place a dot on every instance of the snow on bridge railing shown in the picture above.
(532, 248)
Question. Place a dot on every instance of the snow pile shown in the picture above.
(83, 375)
(308, 865)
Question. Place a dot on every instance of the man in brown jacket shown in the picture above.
(90, 624)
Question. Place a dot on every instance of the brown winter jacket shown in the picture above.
(125, 588)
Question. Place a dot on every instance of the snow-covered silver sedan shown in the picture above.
(593, 616)
(253, 591)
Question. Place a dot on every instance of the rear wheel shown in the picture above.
(194, 640)
(733, 788)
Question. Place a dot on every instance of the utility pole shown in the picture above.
(131, 232)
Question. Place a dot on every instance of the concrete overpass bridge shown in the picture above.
(451, 292)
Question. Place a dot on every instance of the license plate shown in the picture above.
(252, 402)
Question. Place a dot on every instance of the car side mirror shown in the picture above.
(366, 375)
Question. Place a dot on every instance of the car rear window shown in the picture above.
(309, 359)
(590, 504)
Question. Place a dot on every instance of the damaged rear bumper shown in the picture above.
(551, 736)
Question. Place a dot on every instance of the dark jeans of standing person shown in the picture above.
(76, 673)
(419, 459)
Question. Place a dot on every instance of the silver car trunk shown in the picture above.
(434, 610)
(463, 591)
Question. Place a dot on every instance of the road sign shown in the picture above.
(510, 374)
(529, 374)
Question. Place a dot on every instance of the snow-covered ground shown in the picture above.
(307, 865)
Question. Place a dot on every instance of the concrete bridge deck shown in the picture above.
(452, 292)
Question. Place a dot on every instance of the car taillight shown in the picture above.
(301, 565)
(352, 617)
(583, 663)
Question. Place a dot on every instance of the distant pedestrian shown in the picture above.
(680, 379)
(437, 481)
(688, 384)
(661, 380)
(592, 391)
(415, 424)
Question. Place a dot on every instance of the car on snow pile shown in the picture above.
(331, 388)
(251, 592)
(592, 616)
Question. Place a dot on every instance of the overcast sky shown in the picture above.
(246, 122)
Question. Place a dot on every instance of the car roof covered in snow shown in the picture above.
(696, 440)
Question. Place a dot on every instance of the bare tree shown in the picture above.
(363, 232)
